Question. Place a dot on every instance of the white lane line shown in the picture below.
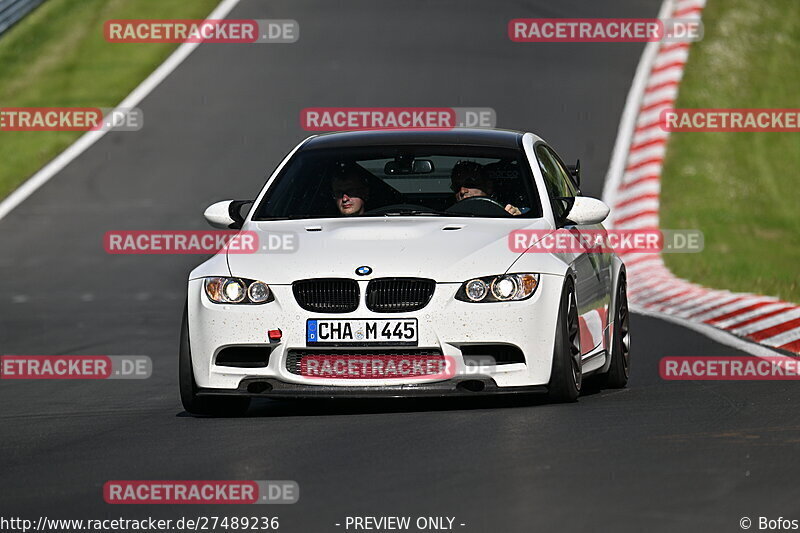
(717, 335)
(21, 193)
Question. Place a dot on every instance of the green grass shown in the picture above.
(57, 56)
(741, 189)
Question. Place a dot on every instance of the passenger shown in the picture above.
(468, 181)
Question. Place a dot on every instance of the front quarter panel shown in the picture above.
(215, 266)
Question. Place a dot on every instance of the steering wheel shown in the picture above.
(478, 205)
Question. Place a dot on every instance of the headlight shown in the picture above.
(237, 291)
(476, 290)
(502, 288)
(233, 291)
(259, 292)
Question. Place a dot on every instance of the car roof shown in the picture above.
(458, 136)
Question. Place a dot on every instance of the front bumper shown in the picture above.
(274, 388)
(445, 324)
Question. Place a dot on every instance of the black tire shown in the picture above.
(202, 405)
(619, 370)
(566, 376)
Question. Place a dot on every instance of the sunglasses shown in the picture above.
(352, 193)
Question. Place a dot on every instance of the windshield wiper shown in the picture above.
(409, 212)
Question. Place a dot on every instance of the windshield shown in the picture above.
(458, 181)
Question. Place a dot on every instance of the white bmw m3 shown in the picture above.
(400, 271)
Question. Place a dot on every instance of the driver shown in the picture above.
(468, 181)
(350, 192)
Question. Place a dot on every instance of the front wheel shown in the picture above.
(202, 405)
(566, 375)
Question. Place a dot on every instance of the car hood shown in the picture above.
(443, 249)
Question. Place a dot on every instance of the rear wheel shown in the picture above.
(566, 376)
(202, 405)
(618, 372)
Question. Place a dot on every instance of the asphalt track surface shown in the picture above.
(655, 456)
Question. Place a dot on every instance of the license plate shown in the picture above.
(402, 331)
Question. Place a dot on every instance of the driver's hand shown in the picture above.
(513, 210)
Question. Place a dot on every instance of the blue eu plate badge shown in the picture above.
(311, 331)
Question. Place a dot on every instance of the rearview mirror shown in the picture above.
(587, 211)
(404, 166)
(226, 214)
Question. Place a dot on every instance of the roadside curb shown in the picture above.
(632, 190)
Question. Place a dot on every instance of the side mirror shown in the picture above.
(587, 211)
(226, 214)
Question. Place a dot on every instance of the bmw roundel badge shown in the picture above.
(364, 270)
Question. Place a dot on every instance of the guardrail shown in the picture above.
(12, 11)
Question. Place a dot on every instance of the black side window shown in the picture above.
(556, 180)
(563, 173)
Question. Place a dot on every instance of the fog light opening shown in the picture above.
(472, 385)
(258, 387)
